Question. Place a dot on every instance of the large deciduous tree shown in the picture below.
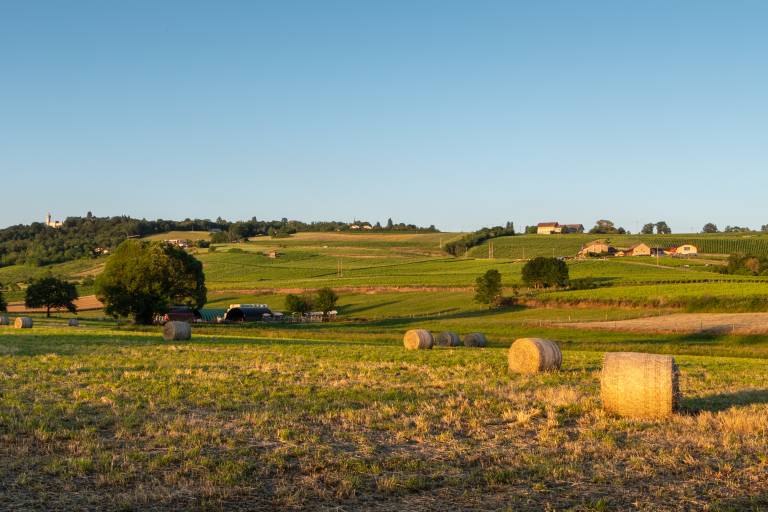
(51, 293)
(542, 272)
(143, 279)
(709, 227)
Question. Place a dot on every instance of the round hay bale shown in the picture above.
(534, 355)
(418, 339)
(4, 320)
(23, 322)
(447, 339)
(639, 385)
(475, 339)
(74, 322)
(175, 331)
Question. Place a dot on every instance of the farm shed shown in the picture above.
(573, 228)
(246, 312)
(209, 315)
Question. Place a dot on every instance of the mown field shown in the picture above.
(113, 419)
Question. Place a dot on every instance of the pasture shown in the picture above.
(117, 419)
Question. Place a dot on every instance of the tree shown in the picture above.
(143, 279)
(531, 230)
(298, 303)
(488, 287)
(49, 293)
(542, 272)
(325, 300)
(662, 228)
(606, 227)
(709, 228)
(764, 228)
(390, 224)
(3, 304)
(647, 229)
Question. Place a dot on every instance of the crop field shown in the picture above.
(104, 419)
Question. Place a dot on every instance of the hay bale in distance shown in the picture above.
(4, 320)
(418, 339)
(534, 355)
(74, 322)
(475, 339)
(177, 331)
(639, 385)
(447, 339)
(23, 322)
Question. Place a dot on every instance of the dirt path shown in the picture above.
(714, 323)
(85, 303)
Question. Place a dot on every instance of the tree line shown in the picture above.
(460, 246)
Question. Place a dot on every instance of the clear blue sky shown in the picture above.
(458, 114)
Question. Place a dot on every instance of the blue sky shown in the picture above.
(458, 114)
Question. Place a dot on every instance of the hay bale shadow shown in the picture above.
(723, 401)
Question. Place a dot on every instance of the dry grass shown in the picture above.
(111, 420)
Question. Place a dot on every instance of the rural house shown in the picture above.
(555, 228)
(548, 228)
(639, 249)
(683, 250)
(597, 247)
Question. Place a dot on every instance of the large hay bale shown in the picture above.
(447, 339)
(176, 331)
(418, 339)
(23, 322)
(475, 339)
(534, 355)
(639, 385)
(4, 320)
(73, 322)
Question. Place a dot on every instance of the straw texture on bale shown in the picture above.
(447, 339)
(475, 339)
(23, 322)
(639, 385)
(418, 339)
(74, 322)
(174, 331)
(4, 320)
(534, 355)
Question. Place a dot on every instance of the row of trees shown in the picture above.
(746, 264)
(462, 245)
(323, 300)
(661, 228)
(710, 227)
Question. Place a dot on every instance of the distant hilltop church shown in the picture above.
(52, 223)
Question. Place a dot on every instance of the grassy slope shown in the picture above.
(120, 420)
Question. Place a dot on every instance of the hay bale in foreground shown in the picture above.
(639, 385)
(475, 339)
(534, 355)
(447, 339)
(23, 322)
(418, 339)
(4, 320)
(176, 331)
(73, 322)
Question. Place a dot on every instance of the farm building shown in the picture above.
(597, 247)
(639, 249)
(555, 228)
(548, 228)
(683, 250)
(52, 223)
(246, 312)
(573, 228)
(272, 254)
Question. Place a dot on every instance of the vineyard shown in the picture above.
(529, 246)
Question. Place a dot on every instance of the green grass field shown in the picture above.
(113, 419)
